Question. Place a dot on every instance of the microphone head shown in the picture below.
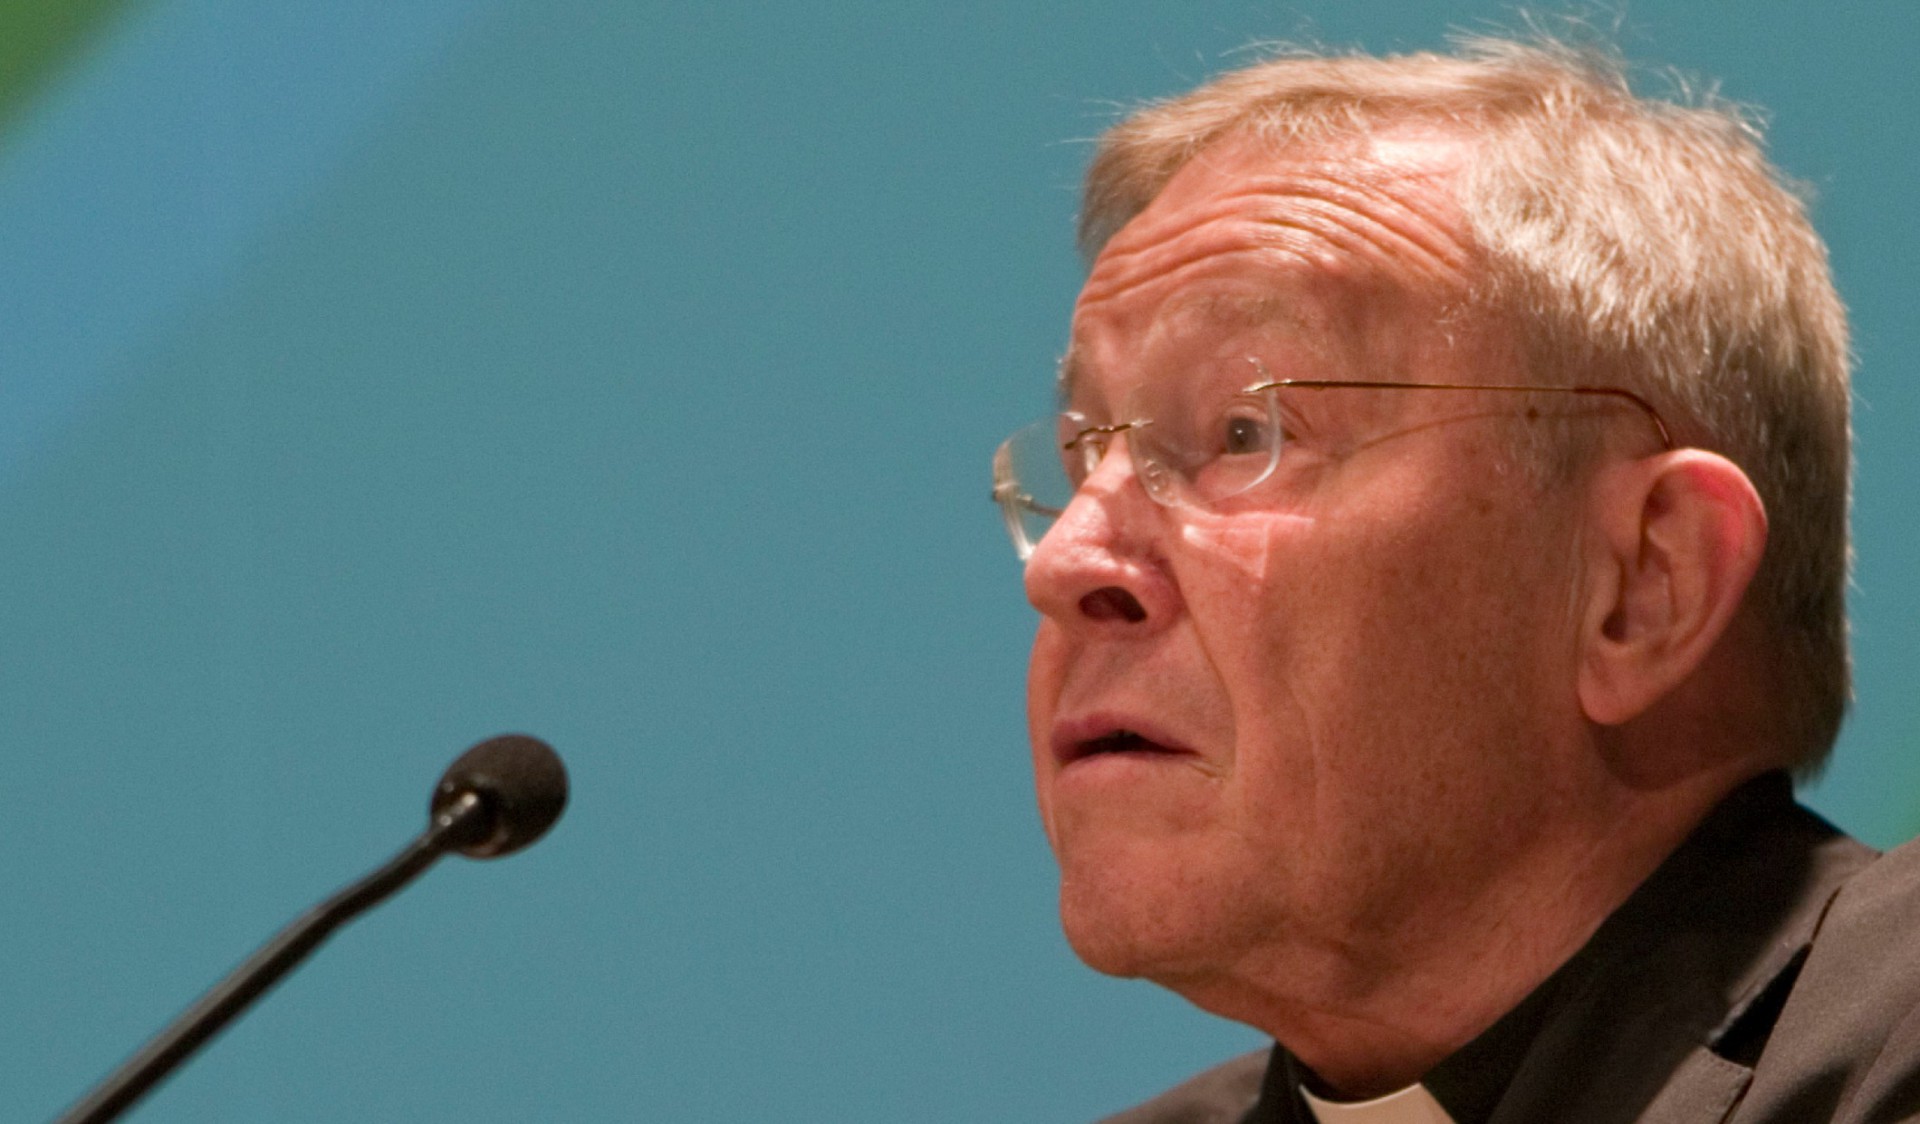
(520, 781)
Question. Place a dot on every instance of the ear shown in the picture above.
(1676, 539)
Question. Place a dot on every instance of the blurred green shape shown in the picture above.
(37, 37)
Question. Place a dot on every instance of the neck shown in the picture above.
(1372, 1014)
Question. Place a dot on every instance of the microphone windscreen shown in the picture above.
(520, 780)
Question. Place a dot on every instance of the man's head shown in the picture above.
(1450, 645)
(1635, 242)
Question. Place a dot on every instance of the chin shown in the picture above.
(1120, 927)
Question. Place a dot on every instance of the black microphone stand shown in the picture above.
(463, 821)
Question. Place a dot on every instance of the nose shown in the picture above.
(1100, 566)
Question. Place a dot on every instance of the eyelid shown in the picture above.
(1294, 423)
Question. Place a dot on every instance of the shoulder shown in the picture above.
(1221, 1095)
(1847, 1043)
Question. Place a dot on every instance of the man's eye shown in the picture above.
(1245, 435)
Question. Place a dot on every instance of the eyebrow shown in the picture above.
(1206, 311)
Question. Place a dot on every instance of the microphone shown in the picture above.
(521, 782)
(495, 798)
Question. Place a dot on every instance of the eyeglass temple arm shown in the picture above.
(1646, 407)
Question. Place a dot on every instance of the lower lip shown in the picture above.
(1125, 766)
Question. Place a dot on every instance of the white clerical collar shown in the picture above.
(1411, 1105)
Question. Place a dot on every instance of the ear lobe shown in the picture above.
(1676, 541)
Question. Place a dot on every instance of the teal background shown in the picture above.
(375, 377)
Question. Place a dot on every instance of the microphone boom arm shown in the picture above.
(461, 822)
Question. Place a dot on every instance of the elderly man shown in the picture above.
(1441, 557)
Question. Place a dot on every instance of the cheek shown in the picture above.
(1427, 646)
(1241, 577)
(1364, 654)
(1246, 579)
(1238, 550)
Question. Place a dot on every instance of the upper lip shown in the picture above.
(1075, 738)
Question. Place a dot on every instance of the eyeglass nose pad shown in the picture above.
(1154, 476)
(1093, 450)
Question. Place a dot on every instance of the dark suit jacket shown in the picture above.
(1768, 973)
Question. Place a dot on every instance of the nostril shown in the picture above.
(1113, 603)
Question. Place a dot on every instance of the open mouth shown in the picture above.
(1117, 741)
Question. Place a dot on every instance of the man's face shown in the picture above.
(1351, 687)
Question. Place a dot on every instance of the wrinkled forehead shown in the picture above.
(1360, 245)
(1228, 319)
